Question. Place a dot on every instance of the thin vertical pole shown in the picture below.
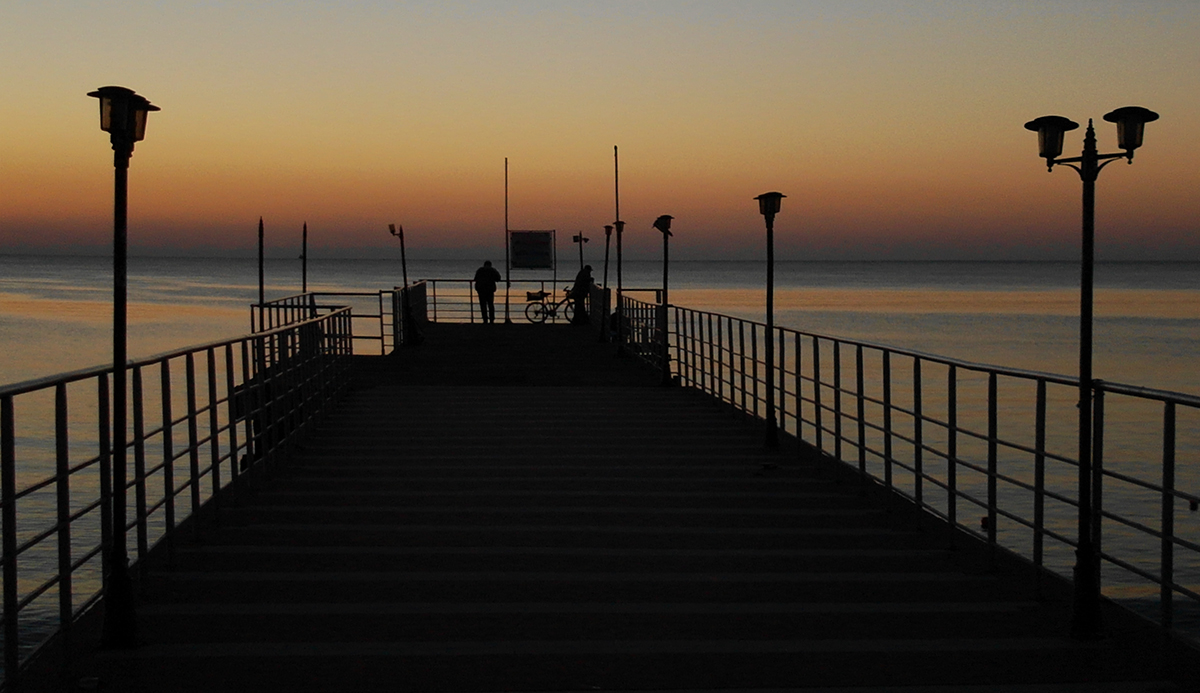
(261, 274)
(1039, 476)
(214, 430)
(1086, 617)
(8, 495)
(993, 459)
(837, 399)
(168, 443)
(62, 473)
(772, 433)
(918, 439)
(818, 415)
(119, 616)
(1166, 589)
(304, 261)
(231, 413)
(860, 383)
(1098, 473)
(887, 419)
(754, 364)
(507, 256)
(952, 448)
(193, 436)
(139, 466)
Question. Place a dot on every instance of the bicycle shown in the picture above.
(539, 310)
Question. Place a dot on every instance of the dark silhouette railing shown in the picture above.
(201, 418)
(954, 436)
(371, 315)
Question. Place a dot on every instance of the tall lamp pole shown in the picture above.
(604, 326)
(663, 224)
(1130, 122)
(123, 116)
(580, 239)
(620, 228)
(768, 206)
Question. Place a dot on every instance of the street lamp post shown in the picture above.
(663, 223)
(768, 206)
(620, 228)
(580, 239)
(123, 116)
(604, 326)
(1130, 122)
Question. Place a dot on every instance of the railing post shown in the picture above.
(798, 348)
(816, 383)
(1166, 591)
(860, 383)
(742, 357)
(104, 434)
(62, 474)
(214, 437)
(8, 496)
(837, 400)
(168, 443)
(231, 415)
(887, 419)
(781, 385)
(993, 460)
(193, 438)
(952, 450)
(1098, 476)
(918, 437)
(1039, 478)
(139, 468)
(754, 364)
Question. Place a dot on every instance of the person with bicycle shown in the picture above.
(486, 278)
(579, 294)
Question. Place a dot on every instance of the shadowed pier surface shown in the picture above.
(514, 508)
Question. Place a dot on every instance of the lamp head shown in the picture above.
(607, 230)
(768, 203)
(1050, 130)
(663, 223)
(1131, 122)
(123, 114)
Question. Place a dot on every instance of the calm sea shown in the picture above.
(55, 312)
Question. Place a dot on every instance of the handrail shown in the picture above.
(909, 419)
(204, 418)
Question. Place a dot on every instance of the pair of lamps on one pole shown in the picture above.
(123, 115)
(1051, 129)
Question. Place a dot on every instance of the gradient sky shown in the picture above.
(895, 128)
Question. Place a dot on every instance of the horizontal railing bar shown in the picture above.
(107, 369)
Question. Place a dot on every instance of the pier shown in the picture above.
(517, 507)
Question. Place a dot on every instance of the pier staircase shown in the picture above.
(504, 510)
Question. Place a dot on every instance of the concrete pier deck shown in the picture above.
(513, 508)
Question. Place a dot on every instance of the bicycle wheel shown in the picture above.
(566, 311)
(535, 312)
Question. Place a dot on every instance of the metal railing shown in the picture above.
(371, 316)
(201, 418)
(990, 450)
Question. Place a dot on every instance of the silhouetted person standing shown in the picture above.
(486, 278)
(579, 293)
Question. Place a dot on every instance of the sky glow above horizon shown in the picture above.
(895, 128)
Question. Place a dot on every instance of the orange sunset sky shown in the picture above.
(895, 128)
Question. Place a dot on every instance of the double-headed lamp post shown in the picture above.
(663, 223)
(1130, 122)
(768, 206)
(123, 117)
